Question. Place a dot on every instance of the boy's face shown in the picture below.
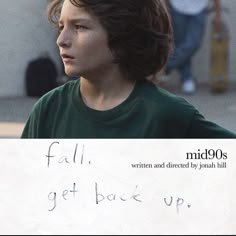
(82, 43)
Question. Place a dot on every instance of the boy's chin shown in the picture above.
(71, 74)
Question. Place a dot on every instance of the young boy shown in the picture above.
(114, 46)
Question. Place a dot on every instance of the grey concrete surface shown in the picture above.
(15, 109)
(220, 108)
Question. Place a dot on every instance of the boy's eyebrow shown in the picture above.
(76, 20)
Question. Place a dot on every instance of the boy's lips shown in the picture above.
(66, 56)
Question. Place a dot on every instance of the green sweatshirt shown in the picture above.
(149, 112)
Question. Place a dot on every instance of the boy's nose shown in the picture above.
(63, 39)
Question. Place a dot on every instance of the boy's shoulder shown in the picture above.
(58, 95)
(173, 107)
(164, 98)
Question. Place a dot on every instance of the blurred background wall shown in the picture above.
(26, 34)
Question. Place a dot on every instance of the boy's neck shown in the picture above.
(105, 94)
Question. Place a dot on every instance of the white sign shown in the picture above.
(105, 186)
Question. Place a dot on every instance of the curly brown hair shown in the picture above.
(139, 32)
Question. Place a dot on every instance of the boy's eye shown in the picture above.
(80, 27)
